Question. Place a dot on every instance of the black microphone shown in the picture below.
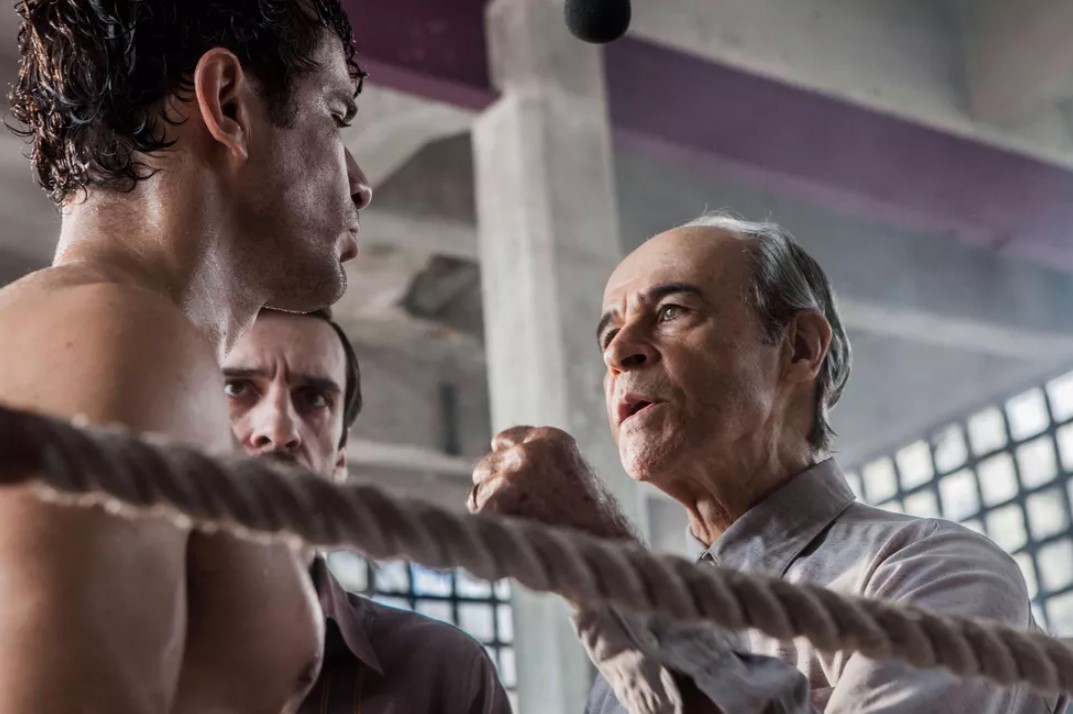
(598, 21)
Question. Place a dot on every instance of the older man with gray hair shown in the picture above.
(724, 353)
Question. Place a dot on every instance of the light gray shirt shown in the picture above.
(812, 530)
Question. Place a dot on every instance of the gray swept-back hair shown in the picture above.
(785, 281)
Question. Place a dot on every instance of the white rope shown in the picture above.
(255, 500)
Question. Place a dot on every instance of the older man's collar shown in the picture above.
(772, 533)
(348, 611)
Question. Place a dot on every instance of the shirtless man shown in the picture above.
(193, 150)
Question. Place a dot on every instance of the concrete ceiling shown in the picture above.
(863, 106)
(989, 70)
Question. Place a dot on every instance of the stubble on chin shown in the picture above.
(640, 460)
(313, 290)
(649, 458)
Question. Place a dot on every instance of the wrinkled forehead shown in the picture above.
(302, 344)
(715, 261)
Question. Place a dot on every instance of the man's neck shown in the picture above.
(170, 246)
(722, 491)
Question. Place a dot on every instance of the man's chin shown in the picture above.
(639, 466)
(647, 459)
(315, 290)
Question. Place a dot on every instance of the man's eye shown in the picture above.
(314, 399)
(342, 122)
(608, 336)
(234, 389)
(669, 312)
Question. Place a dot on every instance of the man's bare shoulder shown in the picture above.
(102, 301)
(108, 589)
(86, 344)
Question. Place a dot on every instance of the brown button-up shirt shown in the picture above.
(380, 660)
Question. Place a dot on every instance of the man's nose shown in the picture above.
(360, 190)
(627, 350)
(276, 426)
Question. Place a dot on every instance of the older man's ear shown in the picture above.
(808, 337)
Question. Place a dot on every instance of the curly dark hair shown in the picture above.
(94, 74)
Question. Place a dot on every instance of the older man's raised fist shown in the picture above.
(540, 474)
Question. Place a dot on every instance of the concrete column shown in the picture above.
(548, 235)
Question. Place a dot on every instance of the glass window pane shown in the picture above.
(914, 464)
(507, 671)
(503, 590)
(391, 576)
(468, 586)
(1069, 490)
(922, 504)
(390, 601)
(894, 506)
(998, 482)
(505, 621)
(958, 493)
(1006, 527)
(476, 619)
(430, 582)
(1027, 414)
(492, 655)
(436, 609)
(880, 481)
(1056, 564)
(1039, 615)
(1047, 513)
(1037, 462)
(1060, 615)
(950, 449)
(350, 570)
(987, 431)
(974, 524)
(1065, 446)
(854, 482)
(1061, 393)
(1024, 562)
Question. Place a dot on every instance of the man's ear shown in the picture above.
(339, 472)
(808, 337)
(224, 100)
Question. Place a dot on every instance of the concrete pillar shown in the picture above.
(548, 235)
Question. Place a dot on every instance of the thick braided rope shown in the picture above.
(254, 500)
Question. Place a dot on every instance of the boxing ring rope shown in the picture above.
(259, 501)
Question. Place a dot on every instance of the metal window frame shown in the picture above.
(495, 646)
(1062, 481)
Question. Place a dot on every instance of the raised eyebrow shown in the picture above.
(654, 295)
(661, 291)
(324, 384)
(240, 373)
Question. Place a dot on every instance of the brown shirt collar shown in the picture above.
(349, 612)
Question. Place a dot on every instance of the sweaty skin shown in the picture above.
(149, 289)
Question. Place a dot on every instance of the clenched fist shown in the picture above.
(539, 473)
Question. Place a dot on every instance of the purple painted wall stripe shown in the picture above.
(691, 111)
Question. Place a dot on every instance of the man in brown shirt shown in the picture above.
(293, 386)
